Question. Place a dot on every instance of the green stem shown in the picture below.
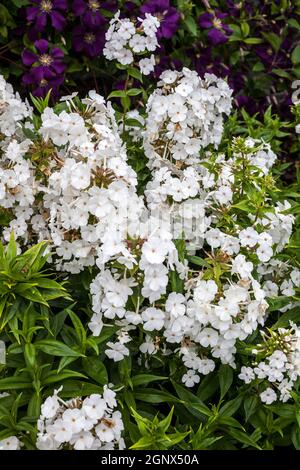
(125, 108)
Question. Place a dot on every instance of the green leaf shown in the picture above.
(253, 41)
(11, 250)
(134, 92)
(278, 302)
(34, 406)
(192, 26)
(34, 295)
(231, 422)
(56, 348)
(225, 378)
(191, 401)
(164, 425)
(95, 369)
(284, 410)
(274, 39)
(151, 395)
(175, 438)
(55, 376)
(20, 3)
(296, 437)
(17, 382)
(198, 261)
(208, 386)
(80, 331)
(284, 319)
(294, 23)
(135, 73)
(243, 205)
(243, 437)
(296, 55)
(231, 406)
(245, 28)
(145, 442)
(46, 283)
(64, 362)
(129, 399)
(117, 94)
(281, 73)
(142, 379)
(250, 405)
(30, 356)
(133, 123)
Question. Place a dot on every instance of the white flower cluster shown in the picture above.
(281, 367)
(10, 443)
(153, 255)
(80, 424)
(71, 186)
(125, 40)
(12, 109)
(188, 197)
(185, 114)
(279, 278)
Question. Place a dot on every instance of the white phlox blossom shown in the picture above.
(82, 196)
(12, 109)
(90, 423)
(185, 269)
(126, 40)
(10, 443)
(185, 114)
(277, 364)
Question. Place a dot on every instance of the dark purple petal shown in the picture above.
(37, 73)
(41, 91)
(216, 36)
(79, 7)
(28, 57)
(31, 13)
(206, 20)
(41, 21)
(59, 67)
(221, 15)
(154, 6)
(57, 20)
(93, 19)
(167, 29)
(60, 4)
(57, 53)
(28, 79)
(42, 46)
(227, 29)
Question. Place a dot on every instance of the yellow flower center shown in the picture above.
(46, 6)
(217, 23)
(46, 59)
(89, 38)
(94, 5)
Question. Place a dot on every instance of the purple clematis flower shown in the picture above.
(89, 11)
(47, 67)
(42, 87)
(204, 61)
(219, 32)
(89, 41)
(169, 17)
(42, 9)
(164, 62)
